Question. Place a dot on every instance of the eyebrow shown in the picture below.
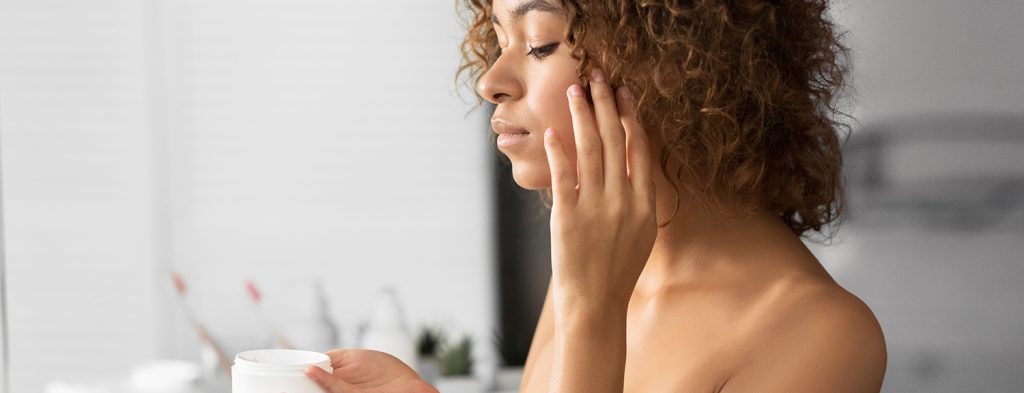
(527, 6)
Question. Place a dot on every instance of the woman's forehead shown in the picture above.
(509, 12)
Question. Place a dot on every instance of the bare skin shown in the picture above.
(722, 302)
(776, 323)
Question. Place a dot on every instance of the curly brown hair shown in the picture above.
(744, 93)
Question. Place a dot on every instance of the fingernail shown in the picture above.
(596, 75)
(549, 132)
(312, 374)
(575, 90)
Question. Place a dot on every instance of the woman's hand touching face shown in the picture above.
(364, 371)
(603, 215)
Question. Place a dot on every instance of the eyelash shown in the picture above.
(543, 51)
(539, 52)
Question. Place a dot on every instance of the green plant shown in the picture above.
(428, 341)
(513, 348)
(457, 359)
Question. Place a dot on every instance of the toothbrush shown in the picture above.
(257, 296)
(204, 335)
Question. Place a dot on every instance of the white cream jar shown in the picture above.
(276, 371)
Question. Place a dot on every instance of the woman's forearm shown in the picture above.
(589, 350)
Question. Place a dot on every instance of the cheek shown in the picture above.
(549, 103)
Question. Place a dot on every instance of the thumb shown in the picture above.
(329, 383)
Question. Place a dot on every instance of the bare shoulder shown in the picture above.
(821, 338)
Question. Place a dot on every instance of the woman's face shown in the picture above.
(528, 83)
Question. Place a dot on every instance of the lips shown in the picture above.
(502, 127)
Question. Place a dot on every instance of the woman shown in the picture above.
(682, 177)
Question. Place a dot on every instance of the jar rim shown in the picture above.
(281, 359)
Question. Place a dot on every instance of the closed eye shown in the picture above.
(543, 51)
(539, 52)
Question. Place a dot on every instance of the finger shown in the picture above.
(613, 137)
(563, 175)
(638, 150)
(329, 383)
(588, 143)
(338, 356)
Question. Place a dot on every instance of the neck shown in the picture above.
(701, 247)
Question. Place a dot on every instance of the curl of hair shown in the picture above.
(743, 93)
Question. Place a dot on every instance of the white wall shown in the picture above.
(228, 140)
(948, 300)
(935, 56)
(323, 139)
(76, 188)
(3, 297)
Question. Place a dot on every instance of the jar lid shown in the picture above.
(282, 360)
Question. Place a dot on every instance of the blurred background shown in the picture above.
(307, 174)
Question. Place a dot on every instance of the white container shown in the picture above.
(165, 376)
(276, 370)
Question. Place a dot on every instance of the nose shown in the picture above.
(500, 83)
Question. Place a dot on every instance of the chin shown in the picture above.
(530, 174)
